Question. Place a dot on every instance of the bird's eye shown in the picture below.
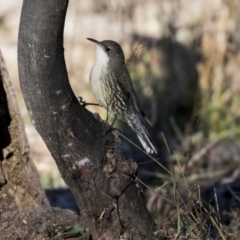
(108, 49)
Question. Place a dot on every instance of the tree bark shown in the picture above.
(16, 169)
(89, 157)
(25, 212)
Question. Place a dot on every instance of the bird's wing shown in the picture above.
(124, 81)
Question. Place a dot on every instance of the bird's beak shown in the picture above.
(93, 40)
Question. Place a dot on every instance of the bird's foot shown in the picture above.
(111, 126)
(114, 120)
(112, 129)
(84, 103)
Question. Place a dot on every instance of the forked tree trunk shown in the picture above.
(91, 162)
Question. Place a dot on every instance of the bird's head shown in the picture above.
(108, 51)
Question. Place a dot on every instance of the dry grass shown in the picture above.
(182, 210)
(200, 197)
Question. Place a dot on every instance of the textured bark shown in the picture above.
(20, 185)
(90, 159)
(38, 224)
(24, 209)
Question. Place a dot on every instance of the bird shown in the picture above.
(113, 90)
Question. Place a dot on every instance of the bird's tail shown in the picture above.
(138, 124)
(147, 142)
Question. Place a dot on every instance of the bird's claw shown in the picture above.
(82, 102)
(112, 129)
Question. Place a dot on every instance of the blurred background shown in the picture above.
(185, 66)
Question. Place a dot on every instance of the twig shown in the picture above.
(233, 193)
(197, 156)
(217, 206)
(134, 53)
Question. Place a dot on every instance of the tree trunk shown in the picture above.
(89, 157)
(25, 212)
(16, 168)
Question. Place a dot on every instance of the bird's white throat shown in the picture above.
(100, 64)
(101, 57)
(99, 67)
